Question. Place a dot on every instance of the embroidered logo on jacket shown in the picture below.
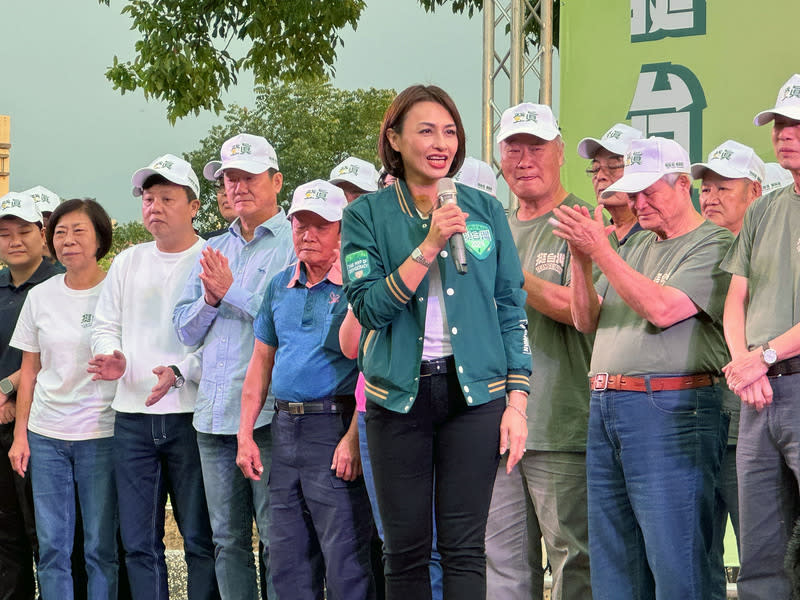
(479, 239)
(357, 264)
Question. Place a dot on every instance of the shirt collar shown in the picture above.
(299, 276)
(274, 225)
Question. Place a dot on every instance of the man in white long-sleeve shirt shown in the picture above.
(134, 342)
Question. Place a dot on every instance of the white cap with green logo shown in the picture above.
(360, 173)
(733, 160)
(647, 161)
(22, 206)
(171, 168)
(320, 197)
(530, 119)
(477, 174)
(787, 104)
(46, 201)
(250, 153)
(776, 177)
(616, 140)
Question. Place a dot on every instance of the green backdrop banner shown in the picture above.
(690, 70)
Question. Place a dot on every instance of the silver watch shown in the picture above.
(6, 386)
(419, 257)
(768, 355)
(179, 379)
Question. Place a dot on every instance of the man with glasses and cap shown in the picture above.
(545, 497)
(133, 342)
(608, 160)
(217, 308)
(655, 422)
(761, 327)
(321, 523)
(730, 181)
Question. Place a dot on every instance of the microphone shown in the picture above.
(446, 192)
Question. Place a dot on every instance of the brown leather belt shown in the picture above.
(604, 381)
(790, 366)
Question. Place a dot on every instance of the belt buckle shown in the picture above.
(600, 383)
(296, 408)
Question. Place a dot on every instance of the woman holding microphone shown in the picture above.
(444, 354)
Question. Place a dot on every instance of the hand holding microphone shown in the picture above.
(447, 193)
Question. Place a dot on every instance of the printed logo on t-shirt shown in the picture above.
(479, 239)
(357, 264)
(86, 320)
(550, 261)
(661, 278)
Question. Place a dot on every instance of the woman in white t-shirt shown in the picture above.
(64, 419)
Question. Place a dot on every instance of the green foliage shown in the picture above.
(183, 55)
(125, 235)
(312, 126)
(532, 29)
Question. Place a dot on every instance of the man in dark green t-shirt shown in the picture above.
(762, 327)
(546, 497)
(655, 421)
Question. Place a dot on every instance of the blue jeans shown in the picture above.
(727, 503)
(435, 565)
(233, 502)
(768, 466)
(321, 525)
(59, 469)
(156, 454)
(652, 463)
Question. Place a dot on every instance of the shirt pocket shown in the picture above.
(330, 332)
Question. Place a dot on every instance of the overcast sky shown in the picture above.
(72, 133)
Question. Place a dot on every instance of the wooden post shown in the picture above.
(5, 152)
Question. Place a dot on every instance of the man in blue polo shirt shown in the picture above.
(318, 499)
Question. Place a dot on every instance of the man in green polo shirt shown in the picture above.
(761, 326)
(655, 420)
(546, 497)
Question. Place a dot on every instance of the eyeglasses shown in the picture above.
(610, 169)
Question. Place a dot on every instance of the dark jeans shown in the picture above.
(156, 454)
(17, 526)
(320, 524)
(441, 435)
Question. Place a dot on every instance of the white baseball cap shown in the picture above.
(533, 119)
(775, 177)
(211, 167)
(16, 204)
(477, 174)
(360, 173)
(320, 197)
(171, 168)
(251, 153)
(46, 201)
(787, 104)
(616, 140)
(647, 161)
(733, 160)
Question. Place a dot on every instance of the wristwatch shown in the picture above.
(179, 379)
(419, 257)
(6, 386)
(768, 355)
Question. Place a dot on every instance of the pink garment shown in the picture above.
(361, 398)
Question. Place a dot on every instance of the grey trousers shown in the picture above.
(768, 467)
(544, 497)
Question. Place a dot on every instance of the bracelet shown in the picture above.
(522, 414)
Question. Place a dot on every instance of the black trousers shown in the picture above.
(441, 435)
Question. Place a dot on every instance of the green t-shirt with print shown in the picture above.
(767, 253)
(558, 406)
(627, 344)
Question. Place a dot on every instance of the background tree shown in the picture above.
(125, 236)
(184, 56)
(313, 126)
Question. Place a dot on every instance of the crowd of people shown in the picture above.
(411, 396)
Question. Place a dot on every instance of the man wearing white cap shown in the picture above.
(217, 309)
(223, 204)
(546, 496)
(21, 249)
(731, 180)
(355, 177)
(133, 342)
(655, 424)
(318, 499)
(608, 160)
(477, 174)
(46, 201)
(761, 327)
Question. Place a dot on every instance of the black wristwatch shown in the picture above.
(179, 379)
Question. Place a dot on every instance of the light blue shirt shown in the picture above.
(226, 331)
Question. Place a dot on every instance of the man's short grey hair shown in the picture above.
(672, 178)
